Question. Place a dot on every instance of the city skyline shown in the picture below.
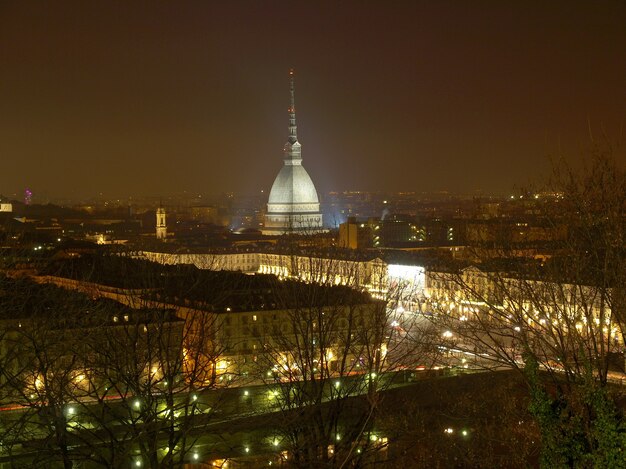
(126, 99)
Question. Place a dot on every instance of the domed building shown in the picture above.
(293, 205)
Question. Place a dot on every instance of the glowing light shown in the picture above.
(409, 273)
(38, 383)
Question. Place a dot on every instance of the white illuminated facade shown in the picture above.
(246, 262)
(372, 275)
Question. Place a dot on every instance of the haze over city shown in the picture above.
(312, 234)
(131, 99)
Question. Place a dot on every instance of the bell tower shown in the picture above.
(161, 226)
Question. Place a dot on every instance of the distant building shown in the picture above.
(161, 226)
(6, 207)
(355, 235)
(378, 233)
(293, 205)
(399, 231)
(206, 214)
(515, 231)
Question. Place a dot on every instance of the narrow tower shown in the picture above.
(161, 227)
(293, 205)
(292, 147)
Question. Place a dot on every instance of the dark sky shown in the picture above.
(154, 98)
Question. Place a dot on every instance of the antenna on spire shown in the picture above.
(293, 136)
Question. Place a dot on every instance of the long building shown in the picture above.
(461, 291)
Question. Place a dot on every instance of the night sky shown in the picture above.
(156, 98)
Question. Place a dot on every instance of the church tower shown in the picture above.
(293, 205)
(161, 227)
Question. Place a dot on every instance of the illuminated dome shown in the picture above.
(293, 205)
(293, 185)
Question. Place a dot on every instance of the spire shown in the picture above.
(293, 135)
(293, 154)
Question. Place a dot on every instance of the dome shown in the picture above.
(293, 185)
(293, 206)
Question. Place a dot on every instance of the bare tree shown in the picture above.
(327, 353)
(558, 320)
(93, 379)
